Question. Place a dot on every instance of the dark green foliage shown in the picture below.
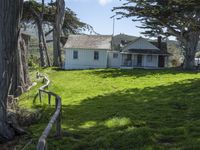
(168, 17)
(179, 18)
(71, 23)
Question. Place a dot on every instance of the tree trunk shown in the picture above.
(44, 58)
(20, 81)
(10, 11)
(41, 46)
(45, 48)
(25, 46)
(43, 35)
(190, 48)
(59, 20)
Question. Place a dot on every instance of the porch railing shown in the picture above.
(127, 63)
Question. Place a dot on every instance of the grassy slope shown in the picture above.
(125, 109)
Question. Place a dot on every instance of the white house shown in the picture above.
(94, 51)
(87, 51)
(141, 53)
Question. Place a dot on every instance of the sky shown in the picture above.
(97, 13)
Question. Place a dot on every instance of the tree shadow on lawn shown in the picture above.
(159, 117)
(114, 73)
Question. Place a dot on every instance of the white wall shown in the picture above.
(114, 62)
(85, 59)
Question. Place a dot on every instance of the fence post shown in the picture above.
(58, 121)
(40, 96)
(49, 98)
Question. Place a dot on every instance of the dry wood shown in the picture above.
(56, 118)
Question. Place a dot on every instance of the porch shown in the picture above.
(143, 61)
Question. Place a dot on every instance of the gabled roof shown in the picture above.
(89, 42)
(142, 46)
(140, 43)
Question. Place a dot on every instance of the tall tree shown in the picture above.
(179, 18)
(10, 11)
(20, 80)
(72, 25)
(59, 20)
(38, 13)
(31, 16)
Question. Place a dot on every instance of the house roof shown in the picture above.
(89, 42)
(142, 46)
(146, 51)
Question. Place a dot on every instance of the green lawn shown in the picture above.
(123, 109)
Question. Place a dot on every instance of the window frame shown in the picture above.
(115, 55)
(75, 54)
(96, 55)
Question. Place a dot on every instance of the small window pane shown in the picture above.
(75, 54)
(96, 55)
(115, 55)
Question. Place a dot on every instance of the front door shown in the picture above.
(139, 60)
(161, 61)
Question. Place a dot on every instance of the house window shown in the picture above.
(149, 58)
(75, 54)
(129, 57)
(115, 55)
(96, 55)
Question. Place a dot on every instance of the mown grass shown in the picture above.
(122, 109)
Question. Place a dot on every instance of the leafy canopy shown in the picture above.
(163, 17)
(71, 23)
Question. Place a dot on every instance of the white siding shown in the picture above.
(114, 62)
(85, 59)
(141, 44)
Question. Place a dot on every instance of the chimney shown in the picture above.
(160, 42)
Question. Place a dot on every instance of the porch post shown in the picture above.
(121, 61)
(157, 60)
(144, 60)
(132, 59)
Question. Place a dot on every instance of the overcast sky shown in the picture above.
(98, 12)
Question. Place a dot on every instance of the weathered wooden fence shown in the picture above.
(55, 119)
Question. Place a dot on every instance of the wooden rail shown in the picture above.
(55, 119)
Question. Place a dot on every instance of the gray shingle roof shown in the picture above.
(162, 51)
(89, 42)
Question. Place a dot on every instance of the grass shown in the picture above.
(122, 109)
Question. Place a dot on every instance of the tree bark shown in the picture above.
(44, 58)
(10, 13)
(20, 81)
(41, 46)
(189, 45)
(59, 20)
(25, 46)
(45, 48)
(43, 35)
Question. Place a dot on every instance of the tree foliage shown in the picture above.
(71, 23)
(168, 17)
(179, 18)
